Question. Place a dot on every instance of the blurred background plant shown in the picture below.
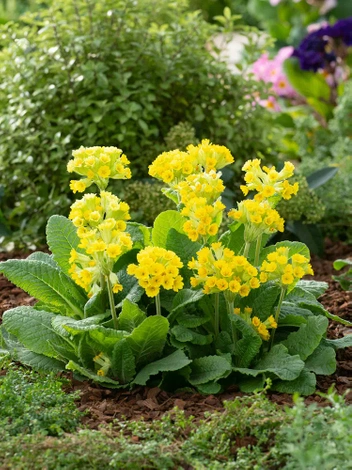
(344, 279)
(111, 73)
(11, 10)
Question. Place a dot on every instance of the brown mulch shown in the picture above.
(105, 405)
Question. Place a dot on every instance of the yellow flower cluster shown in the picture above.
(210, 156)
(258, 218)
(97, 165)
(262, 328)
(100, 222)
(267, 181)
(172, 167)
(204, 219)
(219, 269)
(285, 270)
(208, 185)
(157, 268)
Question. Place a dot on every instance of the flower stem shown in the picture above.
(277, 313)
(158, 304)
(257, 250)
(246, 249)
(217, 317)
(111, 302)
(229, 306)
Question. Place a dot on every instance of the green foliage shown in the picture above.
(180, 136)
(305, 206)
(146, 200)
(34, 403)
(11, 10)
(125, 72)
(345, 279)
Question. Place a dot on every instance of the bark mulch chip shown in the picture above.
(104, 406)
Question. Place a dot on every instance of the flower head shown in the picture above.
(97, 165)
(203, 219)
(201, 185)
(172, 167)
(157, 268)
(209, 156)
(218, 269)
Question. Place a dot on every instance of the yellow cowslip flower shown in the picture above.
(262, 328)
(267, 182)
(203, 219)
(201, 185)
(209, 156)
(157, 268)
(97, 165)
(100, 221)
(172, 167)
(284, 270)
(258, 218)
(218, 269)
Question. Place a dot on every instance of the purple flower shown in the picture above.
(342, 29)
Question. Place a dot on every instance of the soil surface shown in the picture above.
(103, 405)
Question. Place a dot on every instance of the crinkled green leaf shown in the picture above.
(33, 328)
(304, 384)
(140, 234)
(184, 335)
(210, 388)
(148, 339)
(304, 341)
(185, 297)
(340, 343)
(338, 319)
(252, 384)
(265, 299)
(46, 283)
(66, 326)
(131, 316)
(192, 318)
(322, 361)
(163, 223)
(44, 257)
(175, 361)
(123, 363)
(62, 238)
(131, 289)
(246, 348)
(278, 362)
(184, 248)
(317, 288)
(96, 305)
(207, 369)
(105, 339)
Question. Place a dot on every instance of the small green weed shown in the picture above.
(35, 403)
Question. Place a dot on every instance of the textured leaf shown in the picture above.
(66, 326)
(192, 318)
(163, 223)
(96, 305)
(252, 384)
(317, 288)
(322, 361)
(340, 343)
(44, 257)
(33, 329)
(278, 362)
(249, 345)
(123, 363)
(148, 339)
(341, 263)
(207, 369)
(210, 388)
(304, 384)
(140, 234)
(184, 335)
(338, 319)
(104, 381)
(265, 298)
(62, 238)
(185, 297)
(29, 358)
(131, 316)
(175, 361)
(320, 177)
(131, 289)
(304, 341)
(46, 283)
(182, 245)
(105, 339)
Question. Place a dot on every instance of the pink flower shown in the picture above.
(271, 104)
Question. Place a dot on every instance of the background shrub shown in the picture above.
(109, 72)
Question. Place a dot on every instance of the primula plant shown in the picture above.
(177, 305)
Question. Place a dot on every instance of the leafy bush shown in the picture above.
(35, 403)
(180, 136)
(218, 300)
(345, 279)
(116, 72)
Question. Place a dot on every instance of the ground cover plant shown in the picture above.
(109, 71)
(176, 305)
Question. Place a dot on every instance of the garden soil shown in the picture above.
(104, 406)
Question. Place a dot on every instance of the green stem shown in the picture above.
(229, 306)
(111, 302)
(246, 249)
(217, 317)
(257, 250)
(158, 304)
(277, 313)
